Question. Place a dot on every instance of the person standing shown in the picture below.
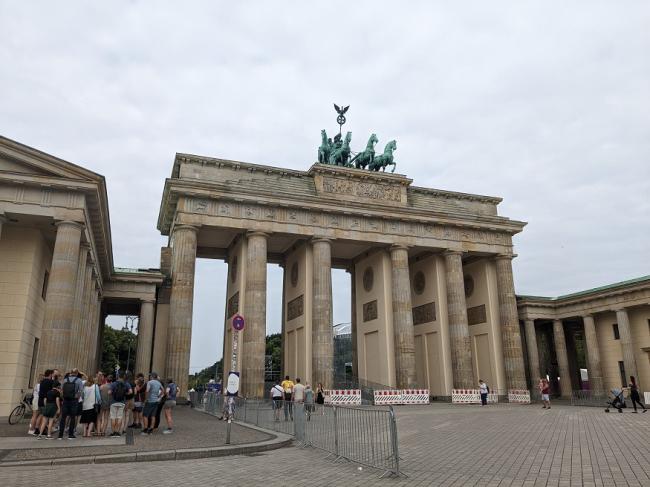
(545, 390)
(104, 411)
(118, 391)
(634, 394)
(138, 404)
(71, 391)
(35, 420)
(171, 391)
(153, 393)
(46, 384)
(52, 407)
(90, 399)
(309, 401)
(287, 387)
(276, 397)
(484, 390)
(320, 397)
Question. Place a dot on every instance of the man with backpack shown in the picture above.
(71, 393)
(118, 393)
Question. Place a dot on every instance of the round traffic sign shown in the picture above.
(238, 322)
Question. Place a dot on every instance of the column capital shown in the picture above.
(453, 252)
(3, 218)
(399, 246)
(183, 226)
(257, 233)
(69, 223)
(321, 239)
(587, 315)
(505, 256)
(148, 300)
(620, 309)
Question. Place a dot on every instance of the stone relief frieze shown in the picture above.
(233, 304)
(346, 222)
(362, 190)
(370, 311)
(476, 315)
(425, 313)
(296, 307)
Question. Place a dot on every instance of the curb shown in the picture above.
(279, 440)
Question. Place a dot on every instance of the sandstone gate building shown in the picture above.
(433, 300)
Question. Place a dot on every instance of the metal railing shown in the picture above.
(362, 435)
(591, 398)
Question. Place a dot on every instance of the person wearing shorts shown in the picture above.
(276, 397)
(51, 407)
(153, 393)
(171, 391)
(545, 390)
(118, 391)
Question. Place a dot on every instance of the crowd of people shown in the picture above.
(284, 394)
(102, 403)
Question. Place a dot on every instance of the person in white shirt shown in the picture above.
(484, 390)
(276, 397)
(298, 392)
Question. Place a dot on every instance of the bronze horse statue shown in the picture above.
(325, 148)
(341, 155)
(385, 159)
(363, 159)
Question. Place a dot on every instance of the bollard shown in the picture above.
(336, 434)
(228, 431)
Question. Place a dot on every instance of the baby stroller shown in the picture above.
(617, 402)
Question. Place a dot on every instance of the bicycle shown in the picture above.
(19, 412)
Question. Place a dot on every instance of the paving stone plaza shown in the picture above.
(440, 444)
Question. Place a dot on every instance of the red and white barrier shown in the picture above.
(343, 397)
(415, 396)
(386, 398)
(466, 396)
(519, 396)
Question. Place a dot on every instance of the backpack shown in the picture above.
(69, 390)
(120, 392)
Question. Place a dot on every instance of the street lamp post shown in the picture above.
(129, 328)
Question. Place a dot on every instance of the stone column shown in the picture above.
(2, 220)
(562, 358)
(513, 357)
(87, 324)
(593, 354)
(77, 351)
(626, 344)
(179, 332)
(145, 337)
(254, 339)
(322, 341)
(353, 320)
(461, 351)
(533, 353)
(59, 306)
(403, 335)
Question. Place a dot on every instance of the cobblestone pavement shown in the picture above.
(440, 445)
(193, 429)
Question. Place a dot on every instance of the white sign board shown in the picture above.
(232, 387)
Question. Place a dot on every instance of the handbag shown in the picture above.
(98, 400)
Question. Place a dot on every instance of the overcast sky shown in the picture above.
(545, 104)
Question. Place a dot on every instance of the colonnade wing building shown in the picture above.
(432, 295)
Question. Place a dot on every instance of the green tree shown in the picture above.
(115, 349)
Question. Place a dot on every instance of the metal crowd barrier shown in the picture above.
(591, 398)
(367, 436)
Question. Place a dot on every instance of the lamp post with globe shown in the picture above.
(129, 325)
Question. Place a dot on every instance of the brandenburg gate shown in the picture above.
(433, 300)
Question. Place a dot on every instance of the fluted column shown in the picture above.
(403, 335)
(2, 220)
(461, 351)
(145, 337)
(626, 344)
(87, 324)
(179, 332)
(322, 341)
(533, 353)
(80, 316)
(562, 358)
(593, 354)
(353, 320)
(254, 339)
(59, 305)
(513, 357)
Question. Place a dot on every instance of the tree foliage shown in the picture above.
(115, 349)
